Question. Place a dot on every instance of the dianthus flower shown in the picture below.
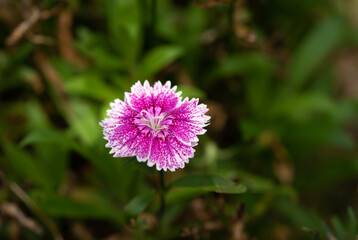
(155, 125)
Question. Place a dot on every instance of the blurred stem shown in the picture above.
(21, 194)
(162, 193)
(153, 22)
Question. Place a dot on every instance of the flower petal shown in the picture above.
(143, 145)
(191, 112)
(165, 97)
(120, 113)
(169, 153)
(140, 97)
(120, 139)
(185, 131)
(188, 121)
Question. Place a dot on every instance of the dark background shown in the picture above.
(280, 79)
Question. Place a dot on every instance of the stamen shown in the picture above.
(152, 120)
(144, 111)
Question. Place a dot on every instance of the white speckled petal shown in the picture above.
(188, 121)
(155, 125)
(165, 97)
(141, 96)
(191, 112)
(169, 153)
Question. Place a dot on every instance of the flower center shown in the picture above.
(154, 120)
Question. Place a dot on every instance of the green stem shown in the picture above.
(162, 193)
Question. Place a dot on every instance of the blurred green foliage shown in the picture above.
(279, 158)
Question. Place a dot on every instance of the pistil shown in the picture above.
(154, 120)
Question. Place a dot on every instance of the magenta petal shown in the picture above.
(185, 131)
(165, 97)
(141, 96)
(169, 153)
(120, 139)
(188, 121)
(121, 109)
(143, 146)
(192, 112)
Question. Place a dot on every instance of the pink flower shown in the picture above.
(155, 125)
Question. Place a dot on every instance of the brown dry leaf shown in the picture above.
(238, 224)
(34, 80)
(13, 211)
(45, 14)
(199, 209)
(150, 220)
(237, 231)
(315, 234)
(40, 39)
(9, 13)
(218, 115)
(351, 11)
(209, 36)
(210, 3)
(213, 226)
(282, 232)
(119, 236)
(22, 195)
(346, 69)
(80, 231)
(283, 166)
(14, 230)
(190, 232)
(49, 72)
(347, 72)
(242, 31)
(23, 27)
(65, 39)
(331, 237)
(52, 76)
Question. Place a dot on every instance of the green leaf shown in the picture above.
(36, 115)
(101, 54)
(210, 183)
(304, 107)
(181, 194)
(341, 138)
(44, 136)
(138, 204)
(256, 69)
(250, 129)
(84, 122)
(51, 146)
(338, 227)
(124, 23)
(25, 166)
(90, 85)
(191, 91)
(295, 213)
(56, 205)
(352, 223)
(156, 59)
(256, 183)
(315, 48)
